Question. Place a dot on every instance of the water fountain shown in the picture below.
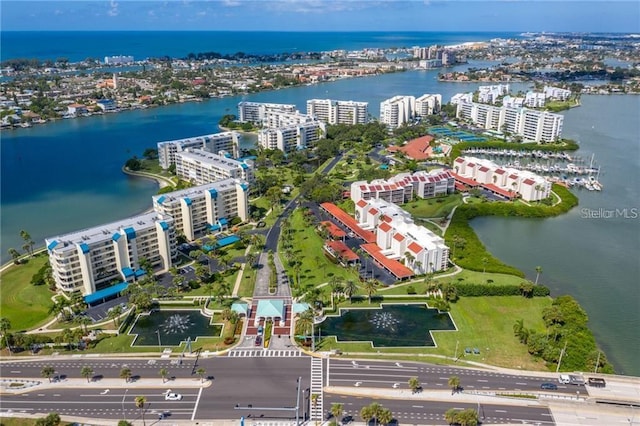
(170, 328)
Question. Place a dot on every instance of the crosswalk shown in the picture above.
(269, 353)
(317, 380)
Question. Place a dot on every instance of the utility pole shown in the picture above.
(298, 402)
(597, 363)
(455, 355)
(561, 355)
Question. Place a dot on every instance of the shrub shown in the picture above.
(411, 290)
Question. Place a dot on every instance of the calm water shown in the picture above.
(79, 45)
(173, 327)
(593, 259)
(390, 326)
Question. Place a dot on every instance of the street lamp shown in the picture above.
(158, 333)
(124, 415)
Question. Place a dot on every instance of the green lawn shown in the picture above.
(248, 282)
(26, 306)
(485, 323)
(466, 276)
(433, 207)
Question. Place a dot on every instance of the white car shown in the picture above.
(172, 396)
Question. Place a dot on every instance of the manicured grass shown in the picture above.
(26, 306)
(433, 207)
(430, 226)
(316, 268)
(248, 282)
(485, 323)
(465, 276)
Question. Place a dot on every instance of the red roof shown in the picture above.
(396, 268)
(348, 221)
(384, 227)
(398, 237)
(362, 203)
(341, 250)
(372, 210)
(386, 218)
(513, 176)
(500, 171)
(415, 247)
(333, 230)
(528, 181)
(484, 169)
(459, 160)
(465, 181)
(417, 148)
(500, 191)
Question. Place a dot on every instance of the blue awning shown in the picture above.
(187, 201)
(104, 293)
(84, 248)
(116, 237)
(226, 241)
(244, 186)
(244, 166)
(164, 225)
(127, 272)
(140, 272)
(223, 221)
(214, 227)
(131, 233)
(161, 199)
(52, 245)
(214, 193)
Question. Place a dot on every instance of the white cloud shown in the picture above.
(231, 3)
(113, 11)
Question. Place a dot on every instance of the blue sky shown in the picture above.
(323, 15)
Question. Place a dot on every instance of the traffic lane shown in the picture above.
(384, 374)
(268, 383)
(101, 403)
(433, 411)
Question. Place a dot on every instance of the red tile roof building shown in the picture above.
(404, 186)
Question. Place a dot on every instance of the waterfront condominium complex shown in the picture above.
(428, 105)
(501, 180)
(532, 125)
(91, 259)
(338, 112)
(294, 137)
(256, 112)
(490, 94)
(556, 93)
(276, 119)
(201, 167)
(217, 143)
(396, 111)
(205, 208)
(403, 187)
(398, 238)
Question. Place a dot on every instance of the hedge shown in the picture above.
(480, 290)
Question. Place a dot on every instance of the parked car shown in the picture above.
(597, 382)
(172, 396)
(260, 330)
(258, 340)
(347, 419)
(549, 386)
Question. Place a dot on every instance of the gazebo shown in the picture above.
(270, 309)
(241, 308)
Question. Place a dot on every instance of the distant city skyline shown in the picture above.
(322, 15)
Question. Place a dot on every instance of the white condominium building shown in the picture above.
(399, 238)
(403, 187)
(556, 93)
(255, 112)
(534, 99)
(512, 101)
(225, 142)
(490, 94)
(530, 186)
(461, 97)
(428, 105)
(205, 208)
(201, 167)
(396, 111)
(92, 259)
(118, 60)
(532, 125)
(338, 112)
(276, 119)
(290, 138)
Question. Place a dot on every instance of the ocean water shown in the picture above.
(79, 45)
(65, 176)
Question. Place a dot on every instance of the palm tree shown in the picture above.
(5, 326)
(451, 415)
(140, 403)
(385, 416)
(201, 372)
(526, 288)
(336, 410)
(372, 412)
(125, 374)
(164, 373)
(468, 417)
(48, 372)
(371, 287)
(15, 255)
(350, 288)
(454, 384)
(86, 372)
(114, 314)
(484, 264)
(414, 384)
(304, 322)
(538, 272)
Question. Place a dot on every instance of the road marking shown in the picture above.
(417, 406)
(481, 380)
(15, 371)
(521, 384)
(195, 408)
(500, 411)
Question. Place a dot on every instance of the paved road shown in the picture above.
(432, 412)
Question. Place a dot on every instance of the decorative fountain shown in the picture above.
(170, 328)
